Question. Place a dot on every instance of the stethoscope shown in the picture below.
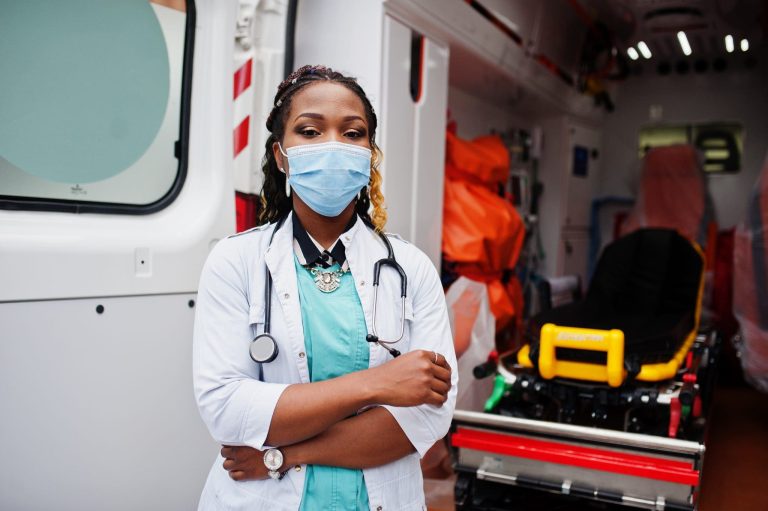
(263, 348)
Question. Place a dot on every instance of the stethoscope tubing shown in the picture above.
(373, 336)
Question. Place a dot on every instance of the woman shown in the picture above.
(333, 422)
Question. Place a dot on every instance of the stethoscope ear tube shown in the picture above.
(390, 261)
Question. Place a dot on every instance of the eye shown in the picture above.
(354, 134)
(308, 132)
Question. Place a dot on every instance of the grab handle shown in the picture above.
(611, 342)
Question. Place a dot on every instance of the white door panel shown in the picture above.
(98, 409)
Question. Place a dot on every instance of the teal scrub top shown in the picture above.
(334, 338)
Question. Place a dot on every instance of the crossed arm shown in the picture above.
(311, 424)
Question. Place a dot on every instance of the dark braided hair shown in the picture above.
(275, 204)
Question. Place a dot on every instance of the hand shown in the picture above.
(412, 379)
(244, 463)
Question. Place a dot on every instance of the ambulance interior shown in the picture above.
(590, 177)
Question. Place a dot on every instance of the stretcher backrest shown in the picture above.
(648, 272)
(672, 193)
(750, 289)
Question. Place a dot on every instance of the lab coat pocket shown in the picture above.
(262, 495)
(240, 500)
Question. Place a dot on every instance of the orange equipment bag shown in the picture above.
(482, 232)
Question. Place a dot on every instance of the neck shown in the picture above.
(325, 230)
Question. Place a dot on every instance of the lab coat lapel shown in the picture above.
(285, 294)
(363, 249)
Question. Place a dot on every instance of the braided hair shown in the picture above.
(275, 203)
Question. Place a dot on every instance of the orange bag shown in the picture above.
(482, 232)
(484, 159)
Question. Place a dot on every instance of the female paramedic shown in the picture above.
(301, 324)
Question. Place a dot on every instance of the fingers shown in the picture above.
(237, 475)
(441, 373)
(442, 362)
(242, 453)
(227, 452)
(239, 461)
(435, 358)
(436, 398)
(441, 387)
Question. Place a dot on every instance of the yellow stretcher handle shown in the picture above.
(609, 341)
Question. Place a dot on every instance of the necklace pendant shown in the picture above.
(327, 281)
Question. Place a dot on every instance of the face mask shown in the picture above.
(328, 176)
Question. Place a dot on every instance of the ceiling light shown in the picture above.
(684, 44)
(729, 43)
(633, 53)
(744, 45)
(644, 49)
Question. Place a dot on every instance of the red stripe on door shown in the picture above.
(243, 78)
(241, 135)
(585, 457)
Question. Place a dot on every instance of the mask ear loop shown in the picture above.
(287, 184)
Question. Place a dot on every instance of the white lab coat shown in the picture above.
(237, 405)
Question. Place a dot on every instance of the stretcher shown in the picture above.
(608, 399)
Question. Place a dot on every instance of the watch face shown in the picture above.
(273, 459)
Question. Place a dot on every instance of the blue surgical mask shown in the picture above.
(328, 176)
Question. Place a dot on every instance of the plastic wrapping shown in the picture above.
(474, 328)
(482, 232)
(672, 193)
(750, 284)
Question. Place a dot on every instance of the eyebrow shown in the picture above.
(312, 115)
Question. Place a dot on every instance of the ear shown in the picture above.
(282, 163)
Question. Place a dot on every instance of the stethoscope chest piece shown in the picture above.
(263, 348)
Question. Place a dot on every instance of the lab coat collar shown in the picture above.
(311, 253)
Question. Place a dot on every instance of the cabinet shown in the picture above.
(569, 169)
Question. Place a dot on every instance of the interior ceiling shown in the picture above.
(705, 22)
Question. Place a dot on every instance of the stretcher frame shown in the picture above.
(624, 468)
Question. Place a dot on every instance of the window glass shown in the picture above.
(721, 144)
(656, 136)
(91, 100)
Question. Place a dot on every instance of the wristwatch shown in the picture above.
(273, 460)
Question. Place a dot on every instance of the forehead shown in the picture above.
(327, 98)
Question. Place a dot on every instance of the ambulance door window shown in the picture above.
(720, 143)
(93, 104)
